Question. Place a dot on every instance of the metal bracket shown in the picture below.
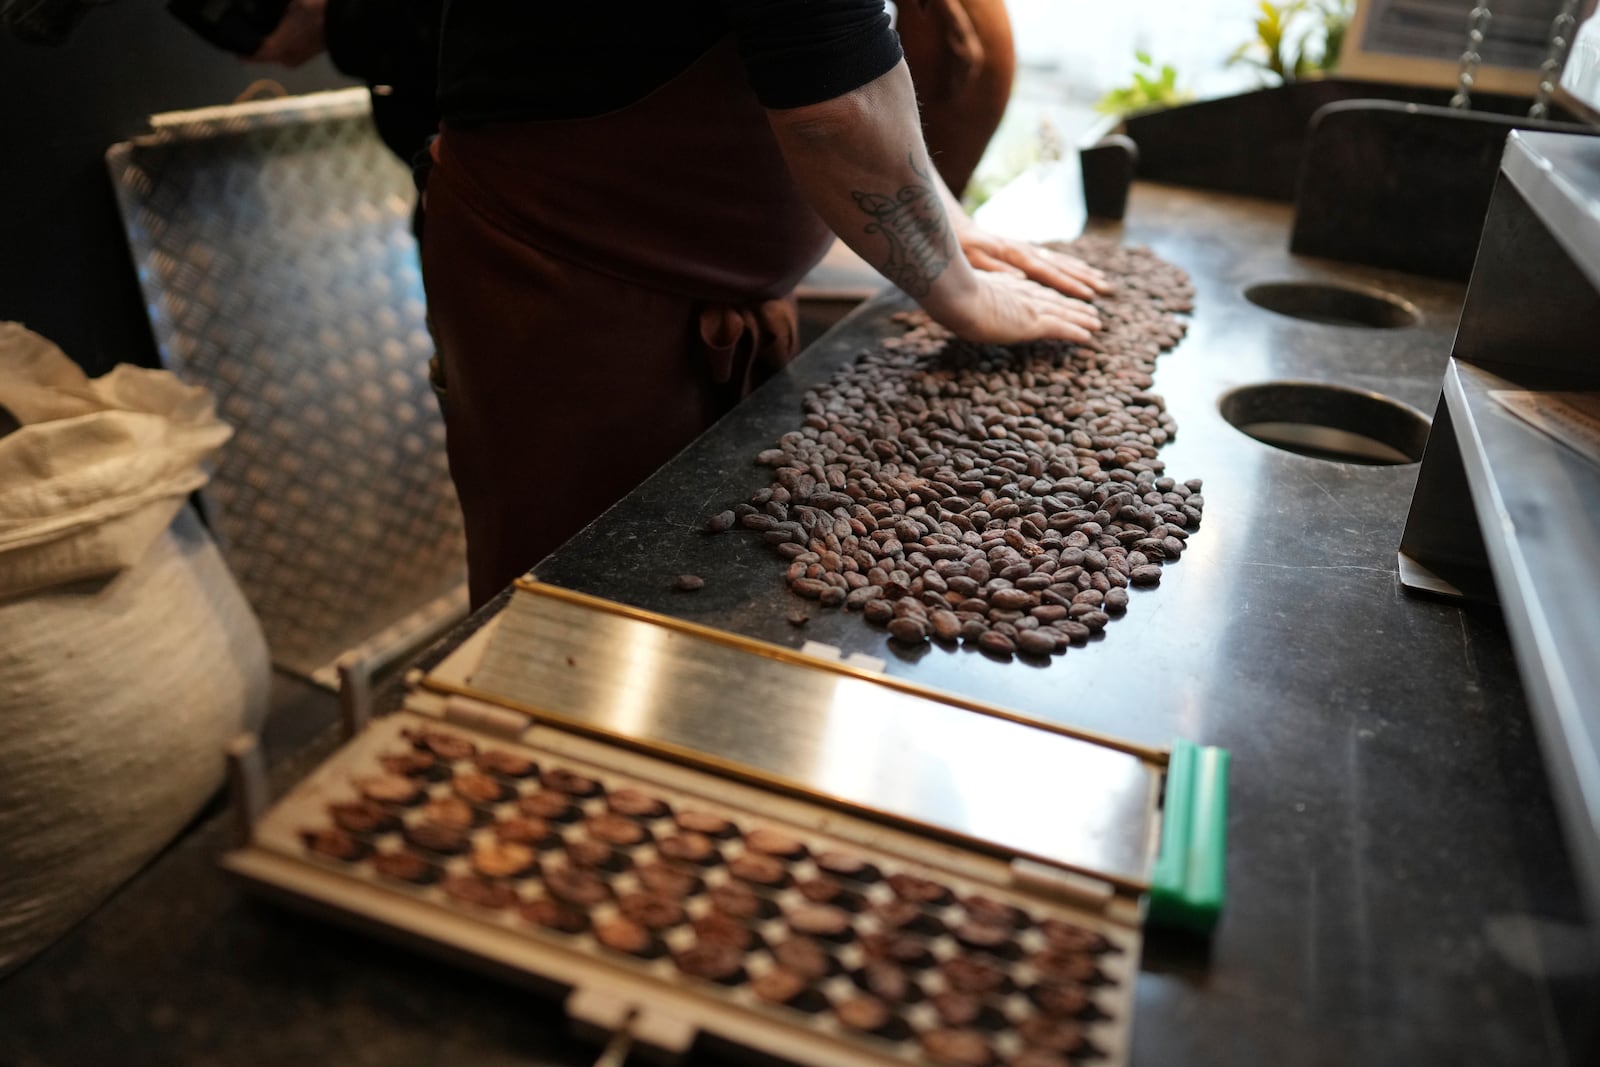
(622, 1024)
(247, 785)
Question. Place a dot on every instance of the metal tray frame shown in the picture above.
(273, 245)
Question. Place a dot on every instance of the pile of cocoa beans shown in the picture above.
(1002, 497)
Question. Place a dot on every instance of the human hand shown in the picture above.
(1006, 308)
(991, 252)
(298, 37)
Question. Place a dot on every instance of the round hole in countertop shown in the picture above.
(1334, 305)
(1329, 422)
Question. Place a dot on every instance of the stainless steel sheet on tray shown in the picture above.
(844, 735)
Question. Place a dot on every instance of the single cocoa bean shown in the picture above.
(1011, 599)
(997, 643)
(908, 630)
(946, 625)
(810, 588)
(858, 598)
(1035, 642)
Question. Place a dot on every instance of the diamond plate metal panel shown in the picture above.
(273, 245)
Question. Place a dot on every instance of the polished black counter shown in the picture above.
(1398, 892)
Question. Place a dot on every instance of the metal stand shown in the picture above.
(1438, 166)
(1528, 327)
(247, 784)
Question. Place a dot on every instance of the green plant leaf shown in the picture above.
(1152, 87)
(1295, 38)
(1333, 41)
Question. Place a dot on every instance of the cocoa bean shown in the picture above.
(946, 626)
(1011, 599)
(810, 588)
(878, 611)
(1035, 642)
(996, 642)
(1146, 575)
(908, 630)
(858, 598)
(964, 585)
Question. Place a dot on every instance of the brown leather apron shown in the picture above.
(601, 291)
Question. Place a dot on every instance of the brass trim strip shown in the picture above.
(1147, 753)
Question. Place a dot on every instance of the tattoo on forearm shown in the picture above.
(914, 224)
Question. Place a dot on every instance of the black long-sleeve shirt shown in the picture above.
(392, 44)
(527, 59)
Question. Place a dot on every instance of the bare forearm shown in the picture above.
(862, 164)
(860, 161)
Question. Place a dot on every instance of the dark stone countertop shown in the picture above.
(1398, 891)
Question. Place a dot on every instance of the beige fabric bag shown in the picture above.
(99, 467)
(128, 656)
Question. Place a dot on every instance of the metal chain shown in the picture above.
(1467, 73)
(1556, 58)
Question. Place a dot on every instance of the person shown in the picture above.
(962, 60)
(960, 54)
(619, 206)
(391, 45)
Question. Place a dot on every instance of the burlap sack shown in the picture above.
(128, 656)
(99, 466)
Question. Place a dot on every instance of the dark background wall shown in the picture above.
(64, 265)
